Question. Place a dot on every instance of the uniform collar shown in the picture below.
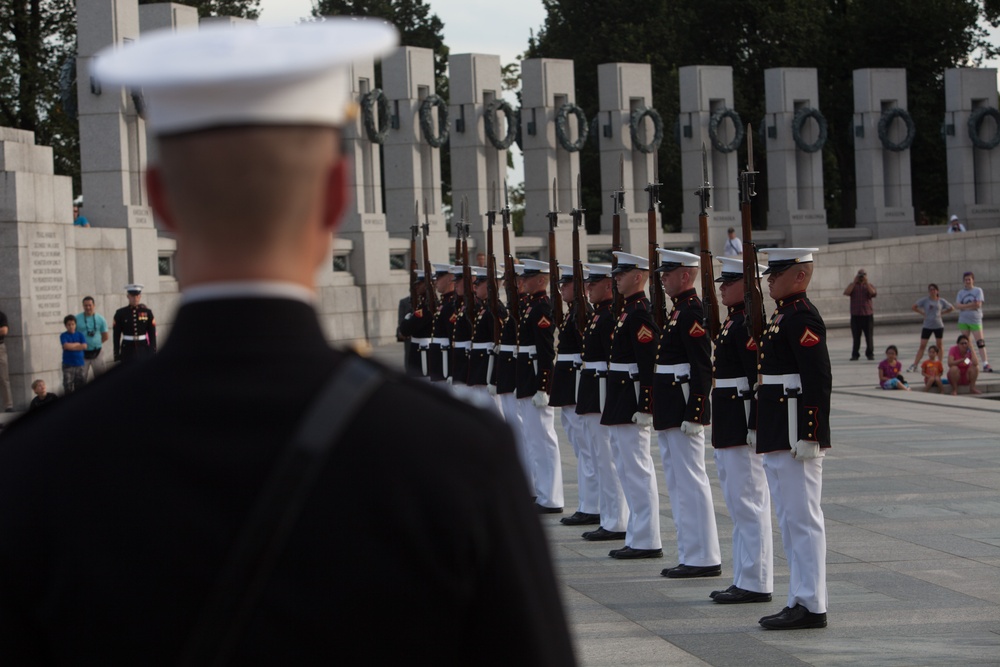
(685, 295)
(248, 289)
(790, 299)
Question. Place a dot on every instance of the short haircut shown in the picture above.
(88, 298)
(968, 274)
(34, 385)
(893, 348)
(933, 286)
(933, 347)
(69, 318)
(730, 231)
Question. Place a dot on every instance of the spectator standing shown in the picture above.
(862, 314)
(73, 344)
(734, 246)
(954, 225)
(8, 398)
(932, 307)
(970, 320)
(42, 397)
(963, 366)
(78, 219)
(94, 328)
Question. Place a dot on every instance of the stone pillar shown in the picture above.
(973, 173)
(364, 224)
(884, 185)
(621, 89)
(113, 139)
(476, 164)
(37, 268)
(412, 166)
(794, 177)
(546, 85)
(706, 90)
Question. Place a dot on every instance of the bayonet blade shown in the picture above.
(749, 148)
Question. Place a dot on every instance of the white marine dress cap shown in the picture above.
(223, 75)
(779, 259)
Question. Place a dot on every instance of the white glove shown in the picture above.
(756, 386)
(642, 419)
(540, 399)
(690, 428)
(492, 388)
(805, 449)
(752, 437)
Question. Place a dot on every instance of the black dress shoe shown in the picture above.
(629, 553)
(855, 358)
(870, 358)
(548, 510)
(692, 571)
(601, 535)
(739, 596)
(794, 618)
(728, 590)
(580, 519)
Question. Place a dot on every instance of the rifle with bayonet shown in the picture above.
(555, 296)
(711, 302)
(657, 298)
(618, 199)
(752, 295)
(468, 296)
(579, 297)
(430, 293)
(414, 232)
(509, 276)
(492, 288)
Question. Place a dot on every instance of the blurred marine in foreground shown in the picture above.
(280, 501)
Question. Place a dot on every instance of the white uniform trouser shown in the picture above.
(491, 399)
(690, 497)
(614, 509)
(744, 487)
(586, 470)
(538, 428)
(508, 406)
(638, 478)
(796, 489)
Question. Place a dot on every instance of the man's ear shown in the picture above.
(158, 198)
(336, 194)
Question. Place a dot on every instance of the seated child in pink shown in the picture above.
(889, 369)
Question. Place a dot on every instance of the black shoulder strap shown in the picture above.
(264, 534)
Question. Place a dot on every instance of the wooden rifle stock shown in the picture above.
(709, 298)
(468, 296)
(618, 199)
(579, 297)
(557, 306)
(752, 296)
(430, 293)
(657, 298)
(509, 275)
(414, 231)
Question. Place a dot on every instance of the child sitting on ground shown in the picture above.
(889, 369)
(933, 370)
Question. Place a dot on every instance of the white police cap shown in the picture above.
(441, 269)
(627, 262)
(597, 272)
(134, 288)
(518, 269)
(732, 269)
(674, 259)
(532, 267)
(779, 259)
(220, 75)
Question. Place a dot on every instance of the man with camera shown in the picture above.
(862, 314)
(94, 328)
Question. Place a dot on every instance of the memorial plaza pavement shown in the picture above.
(912, 503)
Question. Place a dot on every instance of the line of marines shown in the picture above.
(623, 378)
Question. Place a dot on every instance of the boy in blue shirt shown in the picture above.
(73, 345)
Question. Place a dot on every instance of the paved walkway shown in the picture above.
(912, 504)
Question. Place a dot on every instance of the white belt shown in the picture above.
(595, 366)
(677, 370)
(740, 383)
(508, 348)
(788, 381)
(463, 344)
(487, 346)
(624, 368)
(133, 337)
(443, 342)
(422, 342)
(527, 349)
(575, 358)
